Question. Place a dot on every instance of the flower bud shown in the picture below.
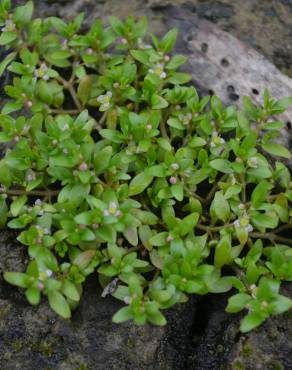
(173, 180)
(83, 166)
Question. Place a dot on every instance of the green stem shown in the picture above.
(41, 193)
(283, 228)
(272, 237)
(214, 189)
(213, 228)
(65, 111)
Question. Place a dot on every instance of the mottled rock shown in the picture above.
(36, 338)
(222, 346)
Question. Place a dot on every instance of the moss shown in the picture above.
(7, 356)
(130, 342)
(82, 367)
(46, 348)
(238, 365)
(275, 365)
(17, 345)
(220, 348)
(247, 350)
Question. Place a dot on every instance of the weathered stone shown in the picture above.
(36, 338)
(222, 346)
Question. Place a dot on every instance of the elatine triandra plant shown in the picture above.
(114, 166)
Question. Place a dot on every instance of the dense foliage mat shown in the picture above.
(112, 164)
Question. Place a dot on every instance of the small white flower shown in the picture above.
(169, 238)
(49, 273)
(127, 300)
(162, 75)
(30, 177)
(65, 127)
(65, 151)
(149, 127)
(64, 44)
(116, 85)
(177, 107)
(38, 202)
(9, 26)
(42, 72)
(46, 231)
(236, 223)
(241, 206)
(166, 58)
(105, 100)
(124, 41)
(174, 166)
(106, 213)
(253, 162)
(89, 51)
(249, 228)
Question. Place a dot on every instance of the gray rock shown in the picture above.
(222, 346)
(36, 338)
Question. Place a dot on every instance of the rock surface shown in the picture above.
(199, 335)
(35, 338)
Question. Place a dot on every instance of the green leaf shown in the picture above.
(250, 322)
(17, 205)
(131, 234)
(6, 61)
(220, 207)
(59, 304)
(276, 149)
(222, 165)
(102, 159)
(7, 38)
(33, 296)
(197, 142)
(23, 14)
(157, 102)
(112, 135)
(168, 41)
(237, 302)
(124, 314)
(17, 278)
(69, 290)
(188, 223)
(139, 183)
(177, 191)
(3, 211)
(223, 253)
(259, 195)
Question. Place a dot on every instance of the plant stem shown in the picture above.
(243, 193)
(272, 237)
(214, 189)
(163, 129)
(67, 85)
(283, 228)
(65, 111)
(195, 195)
(41, 193)
(213, 228)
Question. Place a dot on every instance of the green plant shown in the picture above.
(114, 166)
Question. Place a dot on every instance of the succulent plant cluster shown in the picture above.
(113, 165)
